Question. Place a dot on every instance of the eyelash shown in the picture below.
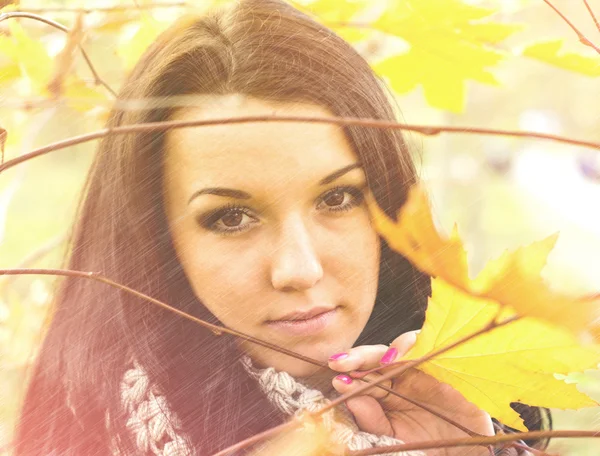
(209, 220)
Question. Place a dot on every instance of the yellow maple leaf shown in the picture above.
(512, 280)
(448, 44)
(550, 52)
(512, 363)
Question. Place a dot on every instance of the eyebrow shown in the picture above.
(240, 194)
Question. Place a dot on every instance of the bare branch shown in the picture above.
(430, 130)
(217, 330)
(427, 408)
(97, 78)
(591, 11)
(32, 258)
(580, 35)
(474, 441)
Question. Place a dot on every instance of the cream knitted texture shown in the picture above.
(157, 430)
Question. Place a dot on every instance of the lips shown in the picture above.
(303, 315)
(305, 323)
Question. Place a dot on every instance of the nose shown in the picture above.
(295, 263)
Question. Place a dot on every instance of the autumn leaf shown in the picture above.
(512, 363)
(448, 44)
(312, 438)
(550, 52)
(512, 280)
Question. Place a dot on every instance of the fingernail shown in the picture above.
(338, 356)
(389, 356)
(344, 378)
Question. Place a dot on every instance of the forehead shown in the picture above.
(263, 150)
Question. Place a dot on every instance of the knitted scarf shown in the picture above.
(157, 430)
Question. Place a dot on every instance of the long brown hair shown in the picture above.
(261, 48)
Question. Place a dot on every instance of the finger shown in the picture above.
(344, 384)
(362, 357)
(400, 347)
(369, 415)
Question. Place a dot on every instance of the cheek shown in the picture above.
(222, 279)
(357, 258)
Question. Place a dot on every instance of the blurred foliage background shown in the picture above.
(501, 191)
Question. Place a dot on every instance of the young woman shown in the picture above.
(261, 227)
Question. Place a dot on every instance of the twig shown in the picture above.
(32, 258)
(430, 410)
(59, 26)
(591, 11)
(474, 441)
(580, 35)
(373, 123)
(105, 9)
(217, 330)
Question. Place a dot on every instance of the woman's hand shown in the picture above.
(380, 413)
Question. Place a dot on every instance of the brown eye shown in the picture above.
(341, 199)
(229, 220)
(233, 218)
(335, 198)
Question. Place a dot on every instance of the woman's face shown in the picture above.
(269, 223)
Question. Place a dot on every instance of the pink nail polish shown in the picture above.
(344, 378)
(389, 356)
(338, 356)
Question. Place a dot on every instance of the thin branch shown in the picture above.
(427, 408)
(591, 11)
(31, 259)
(429, 130)
(217, 330)
(97, 78)
(474, 441)
(105, 9)
(580, 35)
